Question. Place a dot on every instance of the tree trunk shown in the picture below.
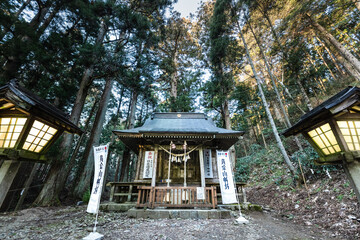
(282, 107)
(267, 109)
(23, 6)
(283, 53)
(82, 162)
(116, 177)
(349, 67)
(173, 83)
(255, 133)
(341, 72)
(134, 99)
(125, 165)
(126, 155)
(84, 183)
(328, 67)
(290, 95)
(320, 84)
(274, 33)
(337, 45)
(58, 173)
(226, 114)
(261, 133)
(118, 115)
(304, 94)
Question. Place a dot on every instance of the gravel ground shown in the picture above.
(75, 223)
(332, 204)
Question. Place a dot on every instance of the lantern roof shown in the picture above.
(29, 102)
(344, 101)
(182, 125)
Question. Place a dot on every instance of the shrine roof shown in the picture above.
(161, 127)
(194, 123)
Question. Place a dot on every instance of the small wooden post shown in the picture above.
(153, 180)
(112, 191)
(214, 197)
(153, 195)
(244, 194)
(139, 196)
(130, 193)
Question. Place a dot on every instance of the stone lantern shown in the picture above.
(333, 129)
(28, 127)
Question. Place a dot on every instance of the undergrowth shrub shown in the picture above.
(86, 196)
(268, 161)
(306, 159)
(266, 166)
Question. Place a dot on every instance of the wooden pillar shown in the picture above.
(352, 170)
(8, 172)
(202, 167)
(139, 163)
(153, 180)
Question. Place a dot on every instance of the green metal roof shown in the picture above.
(179, 125)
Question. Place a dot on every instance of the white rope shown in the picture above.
(180, 154)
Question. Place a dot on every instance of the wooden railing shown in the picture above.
(122, 192)
(175, 197)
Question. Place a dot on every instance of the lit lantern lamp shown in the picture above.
(333, 129)
(28, 127)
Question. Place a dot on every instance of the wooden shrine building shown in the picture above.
(176, 165)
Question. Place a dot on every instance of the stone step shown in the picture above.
(117, 207)
(179, 213)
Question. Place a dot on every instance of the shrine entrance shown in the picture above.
(193, 176)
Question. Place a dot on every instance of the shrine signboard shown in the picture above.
(208, 163)
(148, 164)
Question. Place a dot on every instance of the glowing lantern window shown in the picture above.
(40, 134)
(10, 129)
(324, 137)
(351, 132)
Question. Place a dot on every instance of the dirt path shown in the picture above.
(75, 223)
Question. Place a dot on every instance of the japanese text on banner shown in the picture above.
(225, 177)
(208, 163)
(100, 157)
(148, 164)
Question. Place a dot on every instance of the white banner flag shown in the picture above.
(148, 164)
(208, 163)
(226, 178)
(100, 156)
